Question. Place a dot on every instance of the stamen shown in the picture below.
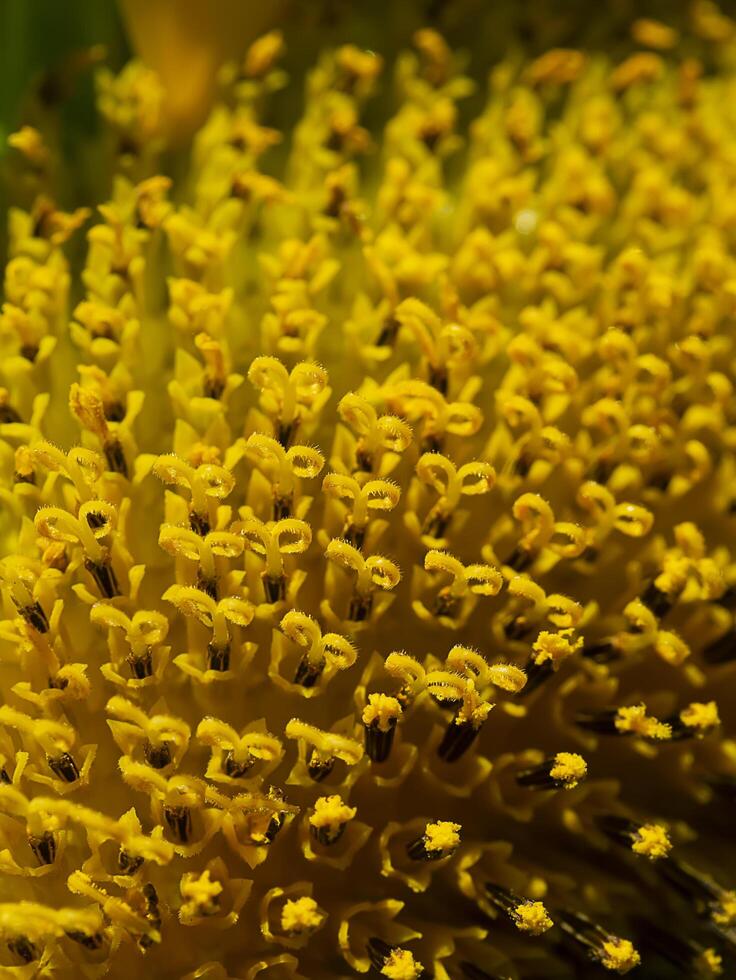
(459, 736)
(527, 915)
(694, 721)
(380, 717)
(179, 821)
(64, 767)
(439, 840)
(330, 818)
(649, 840)
(301, 916)
(562, 771)
(610, 951)
(89, 941)
(35, 617)
(393, 961)
(157, 756)
(104, 577)
(218, 657)
(24, 949)
(43, 847)
(140, 666)
(129, 863)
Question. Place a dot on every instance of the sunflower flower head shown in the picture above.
(367, 557)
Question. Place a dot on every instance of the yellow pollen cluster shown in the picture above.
(301, 915)
(367, 457)
(652, 840)
(532, 917)
(569, 768)
(401, 965)
(442, 836)
(619, 956)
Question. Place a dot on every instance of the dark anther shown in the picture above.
(378, 743)
(538, 777)
(4, 777)
(438, 378)
(618, 829)
(104, 576)
(64, 767)
(657, 601)
(432, 442)
(8, 415)
(389, 330)
(207, 585)
(218, 658)
(199, 523)
(86, 939)
(43, 847)
(213, 387)
(458, 737)
(29, 352)
(363, 461)
(308, 673)
(660, 481)
(360, 608)
(690, 882)
(722, 650)
(157, 756)
(129, 863)
(114, 411)
(179, 821)
(281, 508)
(417, 851)
(354, 535)
(95, 520)
(504, 899)
(35, 617)
(327, 835)
(601, 653)
(285, 433)
(233, 767)
(725, 786)
(519, 559)
(600, 722)
(319, 768)
(435, 523)
(116, 457)
(274, 587)
(728, 599)
(142, 666)
(151, 896)
(379, 952)
(58, 683)
(536, 674)
(446, 604)
(277, 822)
(335, 203)
(29, 478)
(24, 949)
(517, 628)
(430, 138)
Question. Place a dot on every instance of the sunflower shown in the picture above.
(367, 442)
